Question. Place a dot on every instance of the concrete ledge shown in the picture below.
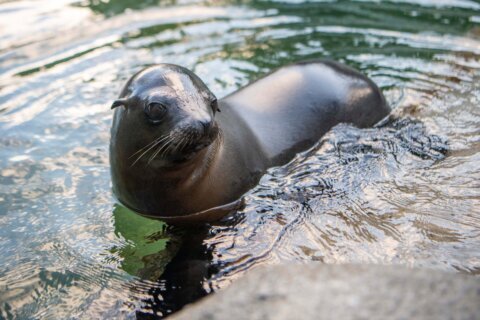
(318, 291)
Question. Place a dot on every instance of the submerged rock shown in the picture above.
(319, 291)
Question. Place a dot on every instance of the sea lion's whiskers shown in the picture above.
(141, 149)
(191, 136)
(165, 152)
(168, 149)
(154, 142)
(167, 142)
(146, 151)
(182, 143)
(176, 146)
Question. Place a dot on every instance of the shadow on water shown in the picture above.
(174, 257)
(185, 279)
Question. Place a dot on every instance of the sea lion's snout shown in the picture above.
(204, 127)
(195, 136)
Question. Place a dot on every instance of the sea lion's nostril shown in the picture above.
(205, 125)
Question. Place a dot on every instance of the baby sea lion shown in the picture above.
(179, 154)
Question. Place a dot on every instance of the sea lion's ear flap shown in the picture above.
(214, 104)
(118, 103)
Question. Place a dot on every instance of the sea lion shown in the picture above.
(179, 154)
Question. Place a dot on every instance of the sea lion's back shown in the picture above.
(292, 107)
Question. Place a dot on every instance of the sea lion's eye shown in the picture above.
(155, 111)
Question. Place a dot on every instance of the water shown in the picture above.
(405, 192)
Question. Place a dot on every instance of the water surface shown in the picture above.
(405, 192)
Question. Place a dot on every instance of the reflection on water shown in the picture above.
(404, 192)
(146, 243)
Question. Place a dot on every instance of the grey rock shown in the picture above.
(318, 291)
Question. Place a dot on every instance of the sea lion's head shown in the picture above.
(164, 116)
